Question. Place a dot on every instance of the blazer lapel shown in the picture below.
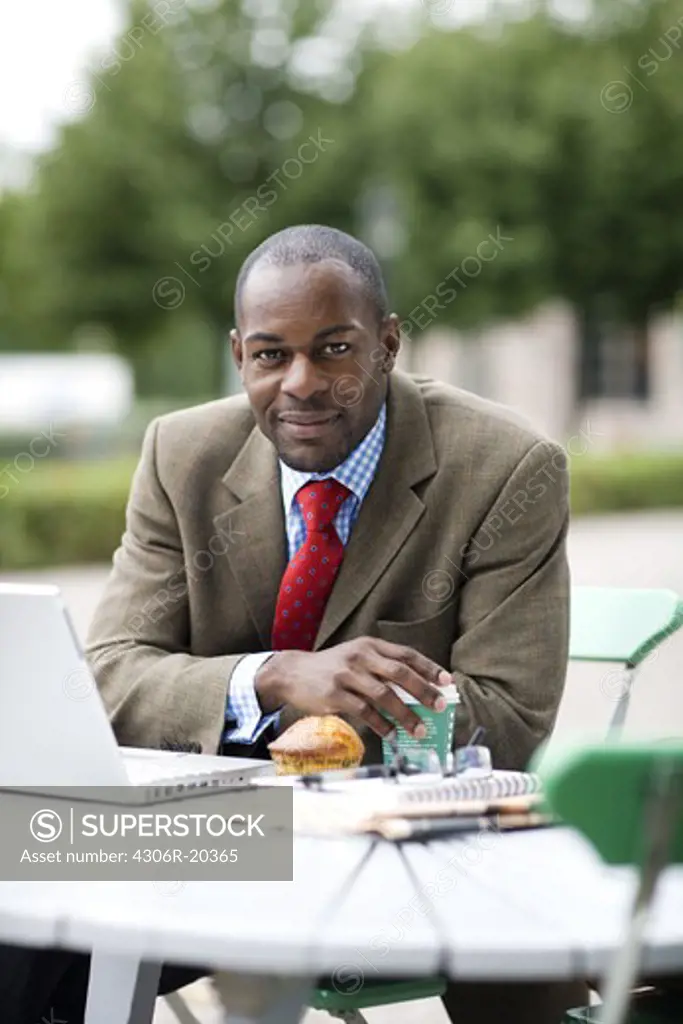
(391, 509)
(255, 527)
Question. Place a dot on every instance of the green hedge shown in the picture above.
(626, 483)
(63, 513)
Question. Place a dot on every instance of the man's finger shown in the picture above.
(401, 674)
(425, 667)
(379, 694)
(356, 706)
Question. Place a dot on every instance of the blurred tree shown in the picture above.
(524, 158)
(190, 154)
(22, 288)
(455, 127)
(637, 188)
(10, 335)
(540, 130)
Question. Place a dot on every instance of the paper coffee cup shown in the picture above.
(440, 726)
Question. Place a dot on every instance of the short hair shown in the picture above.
(311, 243)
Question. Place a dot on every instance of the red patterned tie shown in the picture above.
(309, 577)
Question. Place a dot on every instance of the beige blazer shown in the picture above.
(458, 552)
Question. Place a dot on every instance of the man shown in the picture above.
(452, 528)
(340, 527)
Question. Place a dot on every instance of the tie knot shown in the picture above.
(319, 501)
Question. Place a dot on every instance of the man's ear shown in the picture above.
(236, 345)
(391, 342)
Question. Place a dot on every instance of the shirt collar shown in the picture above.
(356, 471)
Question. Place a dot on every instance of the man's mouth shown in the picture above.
(308, 424)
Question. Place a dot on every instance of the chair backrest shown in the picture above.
(621, 625)
(603, 789)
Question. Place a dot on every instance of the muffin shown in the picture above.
(316, 744)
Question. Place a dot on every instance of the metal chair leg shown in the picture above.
(180, 1009)
(619, 717)
(349, 1016)
(660, 813)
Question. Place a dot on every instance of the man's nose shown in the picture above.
(302, 379)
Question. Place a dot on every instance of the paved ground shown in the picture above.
(638, 550)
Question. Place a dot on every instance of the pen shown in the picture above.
(477, 735)
(432, 828)
(369, 771)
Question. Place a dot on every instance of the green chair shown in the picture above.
(621, 626)
(627, 800)
(374, 993)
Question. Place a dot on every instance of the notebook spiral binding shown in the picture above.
(499, 785)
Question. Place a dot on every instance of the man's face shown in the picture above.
(313, 360)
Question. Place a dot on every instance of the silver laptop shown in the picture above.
(54, 729)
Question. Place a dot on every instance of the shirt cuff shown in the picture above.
(244, 719)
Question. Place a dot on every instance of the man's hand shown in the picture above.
(354, 678)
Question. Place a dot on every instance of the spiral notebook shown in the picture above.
(416, 809)
(496, 786)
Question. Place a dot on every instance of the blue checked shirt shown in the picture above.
(244, 721)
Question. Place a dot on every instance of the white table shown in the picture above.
(526, 906)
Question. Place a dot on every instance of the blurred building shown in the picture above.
(90, 389)
(631, 392)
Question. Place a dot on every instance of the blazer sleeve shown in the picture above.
(510, 656)
(157, 694)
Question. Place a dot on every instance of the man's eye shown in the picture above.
(338, 348)
(268, 355)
